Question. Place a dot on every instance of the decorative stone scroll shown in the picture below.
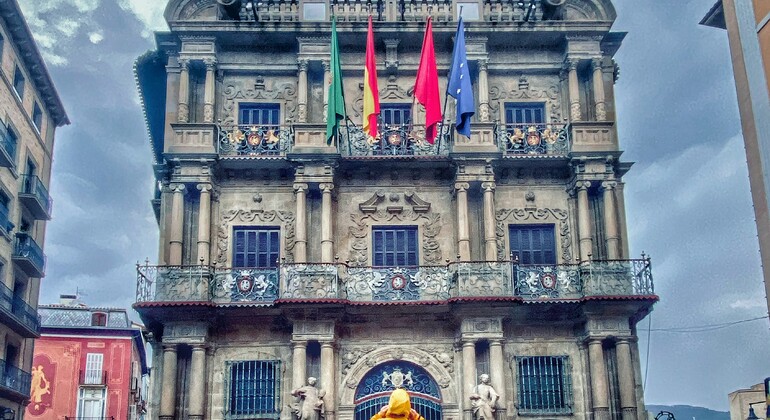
(231, 217)
(523, 92)
(235, 91)
(400, 208)
(561, 217)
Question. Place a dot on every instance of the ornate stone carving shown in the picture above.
(561, 217)
(230, 217)
(372, 212)
(351, 356)
(392, 92)
(235, 91)
(525, 91)
(444, 356)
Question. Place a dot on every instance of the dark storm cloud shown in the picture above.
(688, 199)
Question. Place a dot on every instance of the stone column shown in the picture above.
(483, 91)
(299, 363)
(598, 79)
(463, 230)
(177, 224)
(204, 224)
(327, 82)
(610, 221)
(183, 114)
(599, 387)
(574, 90)
(497, 367)
(300, 230)
(197, 397)
(469, 376)
(165, 197)
(168, 384)
(327, 241)
(626, 379)
(208, 91)
(302, 91)
(584, 221)
(328, 382)
(490, 236)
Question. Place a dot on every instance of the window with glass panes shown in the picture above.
(253, 389)
(533, 244)
(545, 385)
(256, 246)
(259, 114)
(396, 114)
(37, 117)
(524, 113)
(18, 82)
(395, 246)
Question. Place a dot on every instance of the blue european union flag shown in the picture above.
(459, 86)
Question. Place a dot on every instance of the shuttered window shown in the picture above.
(259, 114)
(94, 362)
(545, 385)
(524, 113)
(395, 246)
(256, 247)
(396, 114)
(253, 389)
(533, 244)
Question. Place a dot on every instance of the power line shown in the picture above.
(702, 328)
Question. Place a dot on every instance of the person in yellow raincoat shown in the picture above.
(398, 408)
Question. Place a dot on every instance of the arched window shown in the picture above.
(374, 390)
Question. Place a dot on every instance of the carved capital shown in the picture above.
(199, 347)
(326, 65)
(462, 186)
(326, 187)
(609, 185)
(483, 64)
(596, 63)
(572, 64)
(169, 348)
(204, 188)
(184, 64)
(210, 63)
(488, 186)
(583, 185)
(178, 188)
(300, 187)
(302, 64)
(298, 344)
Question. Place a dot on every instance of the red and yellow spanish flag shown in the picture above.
(371, 92)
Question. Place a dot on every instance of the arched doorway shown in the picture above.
(374, 390)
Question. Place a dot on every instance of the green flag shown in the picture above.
(336, 109)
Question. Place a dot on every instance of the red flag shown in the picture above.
(371, 92)
(426, 85)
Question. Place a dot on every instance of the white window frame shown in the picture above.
(82, 400)
(94, 369)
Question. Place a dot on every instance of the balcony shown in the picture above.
(14, 379)
(34, 196)
(500, 280)
(28, 256)
(533, 140)
(7, 148)
(17, 314)
(254, 141)
(92, 377)
(407, 140)
(6, 226)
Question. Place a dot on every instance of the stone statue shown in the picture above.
(484, 399)
(310, 403)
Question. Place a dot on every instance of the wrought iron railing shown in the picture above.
(340, 281)
(19, 309)
(32, 185)
(14, 378)
(26, 247)
(254, 140)
(533, 139)
(92, 377)
(393, 140)
(7, 142)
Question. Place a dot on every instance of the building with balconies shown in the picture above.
(376, 263)
(31, 112)
(90, 363)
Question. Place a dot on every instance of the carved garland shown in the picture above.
(441, 356)
(418, 213)
(537, 215)
(285, 92)
(230, 217)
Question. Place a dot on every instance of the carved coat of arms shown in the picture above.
(397, 379)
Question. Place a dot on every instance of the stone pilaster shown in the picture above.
(599, 387)
(469, 376)
(168, 383)
(490, 236)
(626, 379)
(165, 197)
(204, 224)
(598, 81)
(483, 91)
(299, 363)
(197, 397)
(584, 221)
(176, 229)
(302, 91)
(612, 237)
(183, 111)
(328, 380)
(327, 81)
(463, 229)
(574, 90)
(300, 230)
(209, 91)
(327, 239)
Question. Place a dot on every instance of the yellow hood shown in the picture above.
(399, 405)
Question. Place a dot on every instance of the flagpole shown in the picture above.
(446, 92)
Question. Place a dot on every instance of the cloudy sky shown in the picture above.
(688, 195)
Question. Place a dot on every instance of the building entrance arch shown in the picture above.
(374, 390)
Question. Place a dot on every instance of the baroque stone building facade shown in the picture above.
(372, 264)
(30, 112)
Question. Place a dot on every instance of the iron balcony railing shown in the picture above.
(340, 281)
(8, 146)
(33, 186)
(393, 140)
(92, 377)
(533, 139)
(26, 248)
(255, 140)
(14, 378)
(20, 310)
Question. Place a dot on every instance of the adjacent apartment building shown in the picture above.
(90, 364)
(490, 276)
(30, 113)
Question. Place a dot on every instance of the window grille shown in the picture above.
(94, 362)
(253, 389)
(545, 385)
(395, 246)
(256, 247)
(524, 113)
(533, 244)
